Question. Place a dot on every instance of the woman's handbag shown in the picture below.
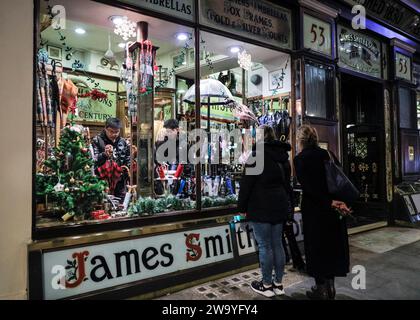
(339, 185)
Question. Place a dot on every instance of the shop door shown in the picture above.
(364, 138)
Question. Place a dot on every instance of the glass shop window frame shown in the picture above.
(88, 226)
(199, 213)
(330, 92)
(411, 108)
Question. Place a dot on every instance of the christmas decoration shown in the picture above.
(95, 94)
(149, 206)
(210, 202)
(244, 60)
(66, 180)
(126, 29)
(100, 215)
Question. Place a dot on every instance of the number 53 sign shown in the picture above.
(402, 66)
(316, 35)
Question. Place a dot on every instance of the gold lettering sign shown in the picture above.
(359, 52)
(256, 19)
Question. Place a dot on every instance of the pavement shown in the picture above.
(385, 265)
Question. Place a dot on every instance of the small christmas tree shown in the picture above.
(68, 178)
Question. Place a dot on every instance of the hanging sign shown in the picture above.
(393, 13)
(359, 52)
(183, 9)
(79, 270)
(316, 35)
(402, 66)
(256, 19)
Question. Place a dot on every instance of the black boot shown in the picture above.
(318, 292)
(331, 289)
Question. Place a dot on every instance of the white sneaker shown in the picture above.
(278, 289)
(259, 287)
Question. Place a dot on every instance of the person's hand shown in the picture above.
(342, 207)
(109, 150)
(337, 204)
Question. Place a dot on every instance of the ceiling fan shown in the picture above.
(109, 57)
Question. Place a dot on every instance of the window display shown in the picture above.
(117, 130)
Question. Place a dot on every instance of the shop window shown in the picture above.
(407, 111)
(242, 86)
(318, 91)
(87, 73)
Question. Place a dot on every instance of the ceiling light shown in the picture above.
(80, 31)
(116, 19)
(235, 49)
(182, 36)
(122, 45)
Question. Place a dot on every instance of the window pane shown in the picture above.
(89, 169)
(316, 79)
(261, 89)
(406, 109)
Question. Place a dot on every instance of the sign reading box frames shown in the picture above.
(359, 52)
(183, 9)
(254, 19)
(75, 271)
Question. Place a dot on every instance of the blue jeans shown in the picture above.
(271, 251)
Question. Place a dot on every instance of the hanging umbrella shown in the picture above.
(212, 92)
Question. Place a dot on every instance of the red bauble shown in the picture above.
(155, 67)
(143, 90)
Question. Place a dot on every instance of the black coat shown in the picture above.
(264, 197)
(325, 235)
(121, 150)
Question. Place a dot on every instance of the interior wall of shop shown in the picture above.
(16, 34)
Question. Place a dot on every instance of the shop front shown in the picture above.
(366, 91)
(123, 223)
(361, 63)
(120, 221)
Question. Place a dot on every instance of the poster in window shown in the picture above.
(276, 79)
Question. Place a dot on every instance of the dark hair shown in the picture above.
(171, 124)
(113, 123)
(269, 134)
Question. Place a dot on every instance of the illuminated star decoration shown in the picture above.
(126, 29)
(244, 60)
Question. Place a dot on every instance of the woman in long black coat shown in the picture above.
(325, 233)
